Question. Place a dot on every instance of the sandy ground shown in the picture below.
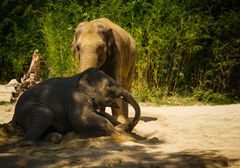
(172, 137)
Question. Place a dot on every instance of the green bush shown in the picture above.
(183, 47)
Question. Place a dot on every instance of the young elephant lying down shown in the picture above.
(70, 104)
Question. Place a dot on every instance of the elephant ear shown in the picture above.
(74, 45)
(111, 42)
(85, 84)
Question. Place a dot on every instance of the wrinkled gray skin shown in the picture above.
(104, 45)
(69, 104)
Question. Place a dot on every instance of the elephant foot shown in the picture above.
(123, 127)
(122, 119)
(125, 123)
(53, 137)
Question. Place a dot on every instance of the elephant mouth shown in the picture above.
(111, 104)
(103, 105)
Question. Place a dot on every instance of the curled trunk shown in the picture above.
(126, 96)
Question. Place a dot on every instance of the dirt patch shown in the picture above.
(182, 137)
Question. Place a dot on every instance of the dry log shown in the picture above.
(32, 77)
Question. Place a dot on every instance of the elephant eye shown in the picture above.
(101, 46)
(78, 48)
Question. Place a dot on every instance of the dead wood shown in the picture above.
(32, 77)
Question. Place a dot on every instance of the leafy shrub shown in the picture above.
(182, 46)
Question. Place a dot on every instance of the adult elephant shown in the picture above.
(102, 44)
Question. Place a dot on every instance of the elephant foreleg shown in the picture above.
(53, 137)
(94, 125)
(121, 114)
(40, 122)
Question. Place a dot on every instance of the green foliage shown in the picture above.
(148, 95)
(57, 38)
(185, 47)
(19, 36)
(189, 45)
(212, 98)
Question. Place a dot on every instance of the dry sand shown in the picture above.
(172, 137)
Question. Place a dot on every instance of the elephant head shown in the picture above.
(93, 43)
(103, 90)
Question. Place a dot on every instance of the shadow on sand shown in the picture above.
(119, 151)
(148, 119)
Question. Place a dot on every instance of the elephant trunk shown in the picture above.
(126, 96)
(88, 60)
